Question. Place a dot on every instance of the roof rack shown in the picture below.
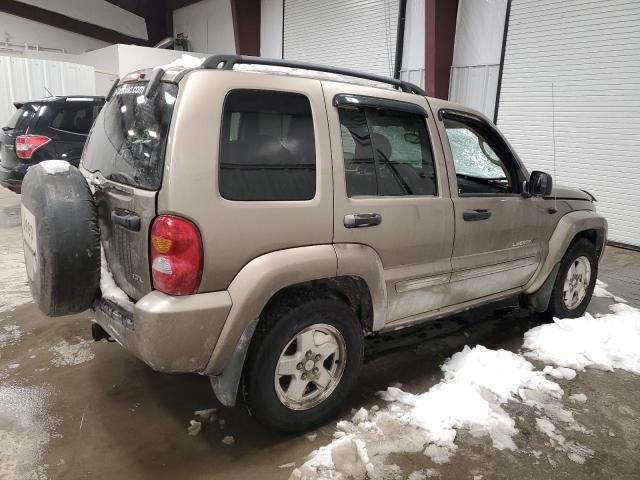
(227, 62)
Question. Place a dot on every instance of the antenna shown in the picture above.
(47, 90)
(553, 134)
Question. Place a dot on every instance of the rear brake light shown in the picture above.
(27, 144)
(176, 255)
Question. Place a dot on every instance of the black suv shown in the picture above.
(52, 128)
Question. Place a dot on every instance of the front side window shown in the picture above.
(479, 169)
(386, 153)
(267, 147)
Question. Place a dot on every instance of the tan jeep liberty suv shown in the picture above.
(257, 225)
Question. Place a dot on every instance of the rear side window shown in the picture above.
(127, 144)
(74, 117)
(386, 153)
(267, 148)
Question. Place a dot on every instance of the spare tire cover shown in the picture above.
(61, 238)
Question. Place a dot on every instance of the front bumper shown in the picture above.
(168, 333)
(12, 178)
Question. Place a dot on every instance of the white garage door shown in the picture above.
(588, 52)
(356, 34)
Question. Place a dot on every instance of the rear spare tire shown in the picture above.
(61, 238)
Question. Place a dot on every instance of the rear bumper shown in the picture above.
(168, 333)
(12, 178)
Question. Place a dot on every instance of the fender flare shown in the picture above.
(567, 228)
(263, 277)
(257, 282)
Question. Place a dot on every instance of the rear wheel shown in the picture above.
(575, 282)
(303, 362)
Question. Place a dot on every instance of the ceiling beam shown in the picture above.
(64, 22)
(176, 4)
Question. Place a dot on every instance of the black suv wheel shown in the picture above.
(303, 362)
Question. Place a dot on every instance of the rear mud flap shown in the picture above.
(225, 386)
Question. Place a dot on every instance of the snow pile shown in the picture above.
(301, 72)
(600, 290)
(185, 61)
(477, 382)
(607, 342)
(67, 354)
(25, 433)
(110, 290)
(51, 167)
(476, 385)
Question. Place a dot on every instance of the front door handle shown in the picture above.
(473, 215)
(358, 220)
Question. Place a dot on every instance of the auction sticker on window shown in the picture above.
(29, 235)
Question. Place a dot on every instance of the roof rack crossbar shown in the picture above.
(227, 62)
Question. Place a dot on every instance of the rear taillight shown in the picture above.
(176, 255)
(27, 144)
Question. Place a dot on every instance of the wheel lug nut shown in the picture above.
(299, 366)
(304, 376)
(309, 354)
(315, 370)
(318, 357)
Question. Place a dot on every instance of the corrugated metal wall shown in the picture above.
(356, 34)
(588, 51)
(32, 79)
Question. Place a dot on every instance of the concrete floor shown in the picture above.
(74, 409)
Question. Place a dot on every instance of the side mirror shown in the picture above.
(539, 184)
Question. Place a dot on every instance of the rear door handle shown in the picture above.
(128, 220)
(474, 215)
(359, 220)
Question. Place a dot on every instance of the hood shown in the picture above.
(569, 193)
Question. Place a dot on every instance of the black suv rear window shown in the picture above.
(74, 117)
(128, 141)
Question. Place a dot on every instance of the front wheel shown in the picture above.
(575, 282)
(303, 363)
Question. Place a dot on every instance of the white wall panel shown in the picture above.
(588, 51)
(413, 50)
(29, 79)
(208, 24)
(271, 28)
(356, 34)
(476, 54)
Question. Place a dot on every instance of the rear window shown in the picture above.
(20, 119)
(75, 117)
(127, 144)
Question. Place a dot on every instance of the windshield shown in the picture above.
(127, 143)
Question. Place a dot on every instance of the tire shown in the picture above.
(61, 239)
(579, 252)
(277, 331)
